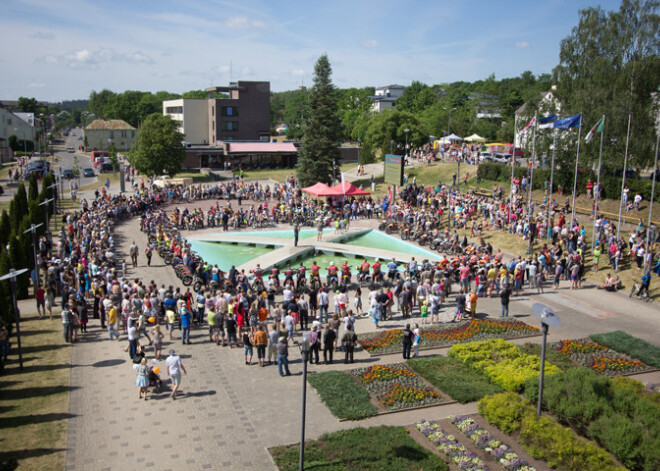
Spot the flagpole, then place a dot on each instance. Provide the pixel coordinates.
(552, 174)
(531, 172)
(655, 175)
(623, 181)
(513, 166)
(597, 192)
(577, 159)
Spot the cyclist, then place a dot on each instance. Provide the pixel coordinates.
(345, 271)
(301, 275)
(332, 272)
(288, 274)
(646, 283)
(314, 271)
(376, 270)
(364, 270)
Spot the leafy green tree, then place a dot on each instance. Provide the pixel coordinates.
(33, 188)
(21, 199)
(98, 102)
(28, 105)
(609, 65)
(5, 228)
(416, 98)
(386, 131)
(296, 113)
(355, 110)
(322, 131)
(158, 147)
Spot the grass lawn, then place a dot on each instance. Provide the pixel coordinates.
(100, 181)
(359, 449)
(34, 406)
(453, 377)
(197, 177)
(625, 343)
(344, 397)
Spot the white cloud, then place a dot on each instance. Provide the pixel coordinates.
(297, 72)
(369, 43)
(84, 58)
(241, 22)
(43, 35)
(521, 44)
(247, 71)
(36, 85)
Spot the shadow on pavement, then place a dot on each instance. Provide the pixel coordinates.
(104, 363)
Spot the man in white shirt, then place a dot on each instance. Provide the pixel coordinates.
(174, 367)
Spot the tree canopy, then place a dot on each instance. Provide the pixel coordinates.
(319, 146)
(158, 147)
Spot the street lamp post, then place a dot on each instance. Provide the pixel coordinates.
(33, 228)
(304, 349)
(46, 204)
(548, 318)
(53, 186)
(12, 277)
(406, 131)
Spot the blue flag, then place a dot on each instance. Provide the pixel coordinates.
(548, 122)
(570, 122)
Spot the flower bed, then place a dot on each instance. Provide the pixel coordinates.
(487, 442)
(448, 445)
(389, 341)
(502, 362)
(586, 352)
(396, 386)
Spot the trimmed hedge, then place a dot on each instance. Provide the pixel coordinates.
(617, 414)
(542, 437)
(625, 343)
(503, 363)
(344, 397)
(611, 184)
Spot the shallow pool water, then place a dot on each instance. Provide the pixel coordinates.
(380, 240)
(225, 255)
(280, 234)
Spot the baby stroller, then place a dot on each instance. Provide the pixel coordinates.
(154, 380)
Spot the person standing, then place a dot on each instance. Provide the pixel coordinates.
(174, 368)
(67, 329)
(460, 306)
(148, 254)
(186, 318)
(296, 234)
(283, 357)
(329, 344)
(406, 343)
(142, 381)
(348, 341)
(324, 301)
(273, 339)
(504, 298)
(417, 338)
(314, 345)
(261, 341)
(133, 251)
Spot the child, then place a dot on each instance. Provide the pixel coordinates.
(425, 311)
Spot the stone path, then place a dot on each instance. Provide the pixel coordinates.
(230, 413)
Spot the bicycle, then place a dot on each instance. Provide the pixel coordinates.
(635, 291)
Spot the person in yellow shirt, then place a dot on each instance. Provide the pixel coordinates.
(112, 322)
(490, 278)
(170, 318)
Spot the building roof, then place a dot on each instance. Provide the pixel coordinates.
(109, 125)
(261, 147)
(391, 86)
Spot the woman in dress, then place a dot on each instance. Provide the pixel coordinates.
(157, 336)
(142, 381)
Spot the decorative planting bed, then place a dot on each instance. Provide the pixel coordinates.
(587, 353)
(389, 341)
(450, 447)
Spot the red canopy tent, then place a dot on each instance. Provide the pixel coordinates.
(319, 189)
(348, 189)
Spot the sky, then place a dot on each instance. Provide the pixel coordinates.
(56, 50)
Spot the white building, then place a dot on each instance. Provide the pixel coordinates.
(192, 115)
(386, 97)
(12, 124)
(101, 133)
(548, 105)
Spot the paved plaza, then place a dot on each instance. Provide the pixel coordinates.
(230, 414)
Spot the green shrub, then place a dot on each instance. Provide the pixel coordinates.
(551, 355)
(480, 355)
(635, 347)
(453, 377)
(542, 437)
(512, 374)
(506, 411)
(344, 397)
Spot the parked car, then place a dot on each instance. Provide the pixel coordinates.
(88, 172)
(106, 167)
(70, 150)
(501, 158)
(486, 157)
(68, 173)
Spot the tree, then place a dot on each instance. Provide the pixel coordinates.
(6, 310)
(609, 65)
(98, 102)
(386, 131)
(319, 150)
(158, 147)
(33, 188)
(355, 111)
(18, 260)
(28, 105)
(5, 228)
(416, 98)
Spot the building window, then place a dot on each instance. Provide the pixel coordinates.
(230, 125)
(213, 111)
(112, 134)
(123, 134)
(228, 138)
(230, 111)
(174, 109)
(132, 133)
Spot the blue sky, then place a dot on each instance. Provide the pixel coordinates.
(56, 50)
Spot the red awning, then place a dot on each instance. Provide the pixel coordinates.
(348, 189)
(319, 189)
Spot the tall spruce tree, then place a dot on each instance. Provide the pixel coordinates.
(17, 260)
(320, 142)
(6, 312)
(33, 188)
(5, 229)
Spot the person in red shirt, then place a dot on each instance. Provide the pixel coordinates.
(314, 271)
(345, 270)
(332, 272)
(364, 269)
(40, 296)
(376, 270)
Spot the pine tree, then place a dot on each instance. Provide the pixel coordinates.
(33, 188)
(6, 312)
(15, 215)
(17, 260)
(21, 199)
(320, 143)
(5, 228)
